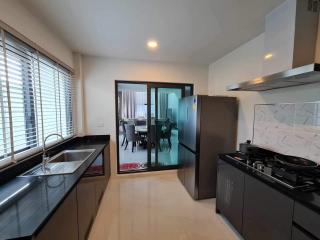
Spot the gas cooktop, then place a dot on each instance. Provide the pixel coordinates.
(290, 171)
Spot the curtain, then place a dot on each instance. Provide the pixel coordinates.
(141, 105)
(133, 104)
(128, 104)
(163, 105)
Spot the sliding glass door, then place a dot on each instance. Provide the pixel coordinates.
(147, 125)
(163, 126)
(132, 127)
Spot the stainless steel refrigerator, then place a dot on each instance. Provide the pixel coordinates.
(207, 126)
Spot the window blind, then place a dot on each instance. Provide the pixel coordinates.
(35, 99)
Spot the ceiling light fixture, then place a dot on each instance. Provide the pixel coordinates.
(268, 56)
(152, 44)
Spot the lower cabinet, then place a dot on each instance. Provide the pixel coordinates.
(230, 188)
(64, 223)
(86, 206)
(107, 163)
(74, 217)
(297, 234)
(267, 213)
(89, 193)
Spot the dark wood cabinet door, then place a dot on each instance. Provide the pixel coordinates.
(100, 186)
(86, 195)
(307, 219)
(107, 165)
(267, 213)
(297, 234)
(63, 224)
(229, 196)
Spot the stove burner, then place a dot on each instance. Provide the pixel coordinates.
(292, 172)
(297, 163)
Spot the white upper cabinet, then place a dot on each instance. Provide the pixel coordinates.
(290, 36)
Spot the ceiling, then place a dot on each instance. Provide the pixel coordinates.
(188, 31)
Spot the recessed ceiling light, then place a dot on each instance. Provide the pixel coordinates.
(152, 44)
(268, 56)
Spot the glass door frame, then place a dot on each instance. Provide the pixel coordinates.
(158, 86)
(150, 85)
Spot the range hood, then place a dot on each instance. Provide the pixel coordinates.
(292, 48)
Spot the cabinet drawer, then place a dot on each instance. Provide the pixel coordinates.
(307, 219)
(297, 234)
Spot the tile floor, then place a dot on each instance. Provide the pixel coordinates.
(155, 206)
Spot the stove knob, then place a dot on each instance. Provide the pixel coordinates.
(260, 167)
(257, 164)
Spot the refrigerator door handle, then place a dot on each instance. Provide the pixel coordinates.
(187, 113)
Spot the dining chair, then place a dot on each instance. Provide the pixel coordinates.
(123, 132)
(132, 136)
(166, 133)
(155, 137)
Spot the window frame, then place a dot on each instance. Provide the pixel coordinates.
(33, 140)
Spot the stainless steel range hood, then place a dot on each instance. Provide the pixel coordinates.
(291, 37)
(294, 77)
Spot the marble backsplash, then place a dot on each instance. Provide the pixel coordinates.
(289, 128)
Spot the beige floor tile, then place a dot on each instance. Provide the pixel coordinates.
(156, 207)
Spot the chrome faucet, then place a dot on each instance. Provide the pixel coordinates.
(45, 158)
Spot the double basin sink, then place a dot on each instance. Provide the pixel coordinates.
(65, 162)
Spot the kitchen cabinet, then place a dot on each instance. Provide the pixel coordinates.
(86, 206)
(107, 164)
(63, 224)
(89, 193)
(307, 219)
(100, 186)
(297, 234)
(230, 189)
(74, 217)
(267, 213)
(90, 190)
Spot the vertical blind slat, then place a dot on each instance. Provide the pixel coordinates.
(35, 98)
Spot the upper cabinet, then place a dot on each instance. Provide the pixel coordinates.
(279, 39)
(291, 52)
(290, 36)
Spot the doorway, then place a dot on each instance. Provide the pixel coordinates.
(147, 125)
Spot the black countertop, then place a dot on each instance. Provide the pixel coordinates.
(308, 199)
(35, 199)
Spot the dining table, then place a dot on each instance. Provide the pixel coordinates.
(141, 129)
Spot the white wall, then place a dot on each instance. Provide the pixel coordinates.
(99, 88)
(19, 18)
(245, 63)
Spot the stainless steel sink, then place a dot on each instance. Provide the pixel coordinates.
(65, 162)
(71, 155)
